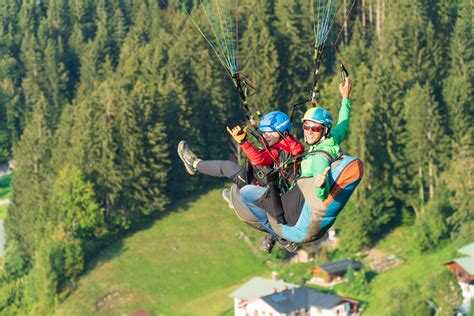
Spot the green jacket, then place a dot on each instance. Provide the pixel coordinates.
(316, 164)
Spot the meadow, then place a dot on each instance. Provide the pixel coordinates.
(186, 263)
(189, 261)
(5, 192)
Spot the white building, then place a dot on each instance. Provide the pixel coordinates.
(272, 298)
(463, 268)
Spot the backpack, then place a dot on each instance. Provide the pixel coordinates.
(345, 175)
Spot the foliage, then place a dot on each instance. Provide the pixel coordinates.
(445, 293)
(408, 300)
(204, 268)
(95, 96)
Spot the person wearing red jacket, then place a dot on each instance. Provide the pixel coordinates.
(275, 128)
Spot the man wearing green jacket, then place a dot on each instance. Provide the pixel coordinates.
(303, 204)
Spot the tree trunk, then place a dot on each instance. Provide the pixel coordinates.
(363, 16)
(378, 18)
(420, 188)
(371, 20)
(431, 180)
(382, 18)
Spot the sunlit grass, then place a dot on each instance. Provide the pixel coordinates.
(5, 189)
(5, 192)
(185, 264)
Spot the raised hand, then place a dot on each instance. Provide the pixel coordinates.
(345, 87)
(238, 133)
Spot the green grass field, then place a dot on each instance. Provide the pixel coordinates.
(5, 192)
(188, 262)
(416, 268)
(184, 264)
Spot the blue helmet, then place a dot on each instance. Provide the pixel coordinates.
(275, 121)
(319, 115)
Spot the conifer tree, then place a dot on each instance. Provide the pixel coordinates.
(94, 137)
(12, 118)
(424, 126)
(26, 215)
(41, 293)
(72, 204)
(143, 153)
(458, 87)
(295, 49)
(260, 60)
(459, 184)
(56, 80)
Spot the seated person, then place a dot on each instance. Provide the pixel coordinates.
(306, 197)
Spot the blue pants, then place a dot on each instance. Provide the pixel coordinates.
(249, 194)
(297, 233)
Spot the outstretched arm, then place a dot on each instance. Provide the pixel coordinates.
(340, 131)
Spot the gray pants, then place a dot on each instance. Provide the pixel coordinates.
(219, 168)
(224, 169)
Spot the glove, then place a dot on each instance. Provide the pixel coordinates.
(239, 134)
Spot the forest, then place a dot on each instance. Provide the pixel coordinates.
(96, 95)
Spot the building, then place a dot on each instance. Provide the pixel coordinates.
(255, 288)
(463, 268)
(300, 300)
(332, 273)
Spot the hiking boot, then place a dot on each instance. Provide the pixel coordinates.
(226, 196)
(267, 243)
(188, 157)
(288, 245)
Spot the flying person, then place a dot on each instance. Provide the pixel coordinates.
(281, 145)
(306, 212)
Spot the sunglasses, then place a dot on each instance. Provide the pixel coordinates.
(313, 128)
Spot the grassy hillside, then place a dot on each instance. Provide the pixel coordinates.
(418, 268)
(188, 263)
(5, 192)
(184, 264)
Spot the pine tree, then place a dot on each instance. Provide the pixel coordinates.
(143, 153)
(42, 290)
(412, 50)
(56, 80)
(93, 135)
(294, 50)
(32, 63)
(26, 215)
(425, 143)
(72, 204)
(458, 87)
(260, 62)
(12, 115)
(458, 181)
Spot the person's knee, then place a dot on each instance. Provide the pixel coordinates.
(245, 194)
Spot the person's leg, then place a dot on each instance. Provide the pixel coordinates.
(251, 193)
(218, 168)
(268, 242)
(213, 168)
